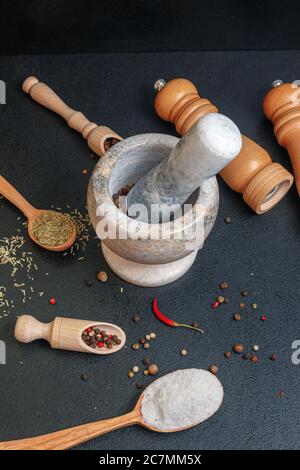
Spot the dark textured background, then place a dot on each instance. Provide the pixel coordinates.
(73, 26)
(41, 390)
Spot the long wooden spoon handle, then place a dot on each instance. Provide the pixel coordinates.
(44, 95)
(71, 437)
(10, 193)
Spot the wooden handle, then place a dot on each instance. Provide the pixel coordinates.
(10, 193)
(29, 329)
(99, 137)
(71, 437)
(44, 95)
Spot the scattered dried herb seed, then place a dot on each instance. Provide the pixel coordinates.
(254, 359)
(244, 293)
(183, 352)
(84, 377)
(237, 317)
(273, 357)
(246, 356)
(227, 354)
(146, 361)
(227, 220)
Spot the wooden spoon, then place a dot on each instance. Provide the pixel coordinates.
(67, 438)
(10, 193)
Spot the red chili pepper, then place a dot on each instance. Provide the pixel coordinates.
(168, 321)
(100, 344)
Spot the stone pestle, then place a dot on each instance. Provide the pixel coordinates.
(202, 153)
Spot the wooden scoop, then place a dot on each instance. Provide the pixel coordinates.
(65, 333)
(10, 193)
(99, 138)
(71, 437)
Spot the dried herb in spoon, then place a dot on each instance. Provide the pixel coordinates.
(52, 228)
(168, 321)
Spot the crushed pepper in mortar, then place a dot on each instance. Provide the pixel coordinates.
(52, 228)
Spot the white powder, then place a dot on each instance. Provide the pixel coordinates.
(181, 399)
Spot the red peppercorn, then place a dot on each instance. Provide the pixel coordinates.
(52, 301)
(215, 304)
(88, 330)
(100, 344)
(263, 318)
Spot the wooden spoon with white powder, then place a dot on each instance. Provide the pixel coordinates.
(174, 402)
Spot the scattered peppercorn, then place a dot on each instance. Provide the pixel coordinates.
(237, 317)
(224, 285)
(84, 377)
(102, 276)
(130, 374)
(135, 369)
(84, 171)
(136, 318)
(146, 346)
(220, 299)
(273, 357)
(146, 372)
(281, 393)
(213, 369)
(242, 305)
(238, 348)
(244, 293)
(254, 306)
(142, 341)
(152, 335)
(195, 324)
(215, 304)
(263, 318)
(146, 361)
(246, 356)
(183, 352)
(135, 346)
(139, 386)
(227, 354)
(227, 220)
(52, 301)
(147, 337)
(153, 369)
(255, 347)
(88, 283)
(254, 359)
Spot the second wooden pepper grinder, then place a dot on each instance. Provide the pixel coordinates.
(282, 106)
(252, 173)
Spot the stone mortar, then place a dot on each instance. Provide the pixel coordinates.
(133, 254)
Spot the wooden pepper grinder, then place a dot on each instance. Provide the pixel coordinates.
(99, 138)
(282, 106)
(252, 173)
(66, 333)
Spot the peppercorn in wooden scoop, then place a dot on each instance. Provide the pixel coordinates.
(49, 229)
(175, 402)
(72, 334)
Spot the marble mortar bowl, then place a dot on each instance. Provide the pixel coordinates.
(132, 254)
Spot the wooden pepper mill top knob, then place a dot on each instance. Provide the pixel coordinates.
(252, 173)
(282, 106)
(178, 101)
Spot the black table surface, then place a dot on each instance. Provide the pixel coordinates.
(41, 389)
